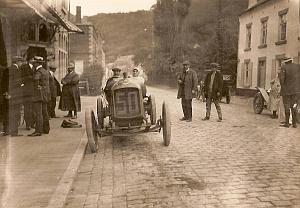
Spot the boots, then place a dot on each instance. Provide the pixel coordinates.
(274, 115)
(294, 118)
(287, 119)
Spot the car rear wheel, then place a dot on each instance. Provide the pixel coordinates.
(91, 130)
(100, 112)
(152, 110)
(258, 103)
(166, 124)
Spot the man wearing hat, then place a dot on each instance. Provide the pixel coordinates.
(55, 91)
(187, 83)
(70, 97)
(111, 81)
(27, 76)
(41, 97)
(213, 89)
(290, 89)
(12, 90)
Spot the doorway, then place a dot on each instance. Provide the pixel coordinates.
(261, 73)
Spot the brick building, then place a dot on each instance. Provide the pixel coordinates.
(269, 31)
(35, 27)
(86, 51)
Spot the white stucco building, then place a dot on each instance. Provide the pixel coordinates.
(269, 31)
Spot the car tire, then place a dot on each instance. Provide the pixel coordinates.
(258, 103)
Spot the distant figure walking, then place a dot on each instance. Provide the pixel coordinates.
(212, 90)
(70, 97)
(187, 87)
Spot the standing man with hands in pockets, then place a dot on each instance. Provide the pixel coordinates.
(187, 82)
(212, 89)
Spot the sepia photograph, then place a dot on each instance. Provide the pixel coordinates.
(149, 103)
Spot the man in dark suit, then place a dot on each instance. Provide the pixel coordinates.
(12, 90)
(187, 82)
(55, 91)
(212, 89)
(289, 78)
(41, 97)
(111, 81)
(27, 76)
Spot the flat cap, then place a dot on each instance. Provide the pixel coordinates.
(38, 59)
(17, 58)
(186, 63)
(215, 65)
(116, 69)
(71, 66)
(136, 69)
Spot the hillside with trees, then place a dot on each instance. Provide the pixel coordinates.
(174, 31)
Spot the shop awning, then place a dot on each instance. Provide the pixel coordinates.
(68, 25)
(50, 14)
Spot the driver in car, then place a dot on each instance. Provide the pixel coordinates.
(111, 81)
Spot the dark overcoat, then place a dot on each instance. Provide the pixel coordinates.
(28, 81)
(55, 90)
(216, 87)
(70, 97)
(15, 83)
(41, 91)
(290, 79)
(190, 82)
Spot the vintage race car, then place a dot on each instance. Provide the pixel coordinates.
(129, 111)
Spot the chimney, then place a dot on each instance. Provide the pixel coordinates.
(78, 14)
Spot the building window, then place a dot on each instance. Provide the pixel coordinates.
(261, 72)
(248, 36)
(264, 32)
(282, 27)
(43, 33)
(247, 73)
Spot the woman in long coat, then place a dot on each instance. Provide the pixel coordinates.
(70, 98)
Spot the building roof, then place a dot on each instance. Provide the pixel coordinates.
(50, 14)
(255, 6)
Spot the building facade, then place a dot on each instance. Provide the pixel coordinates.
(269, 32)
(87, 48)
(86, 51)
(34, 27)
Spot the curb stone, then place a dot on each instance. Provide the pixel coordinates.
(59, 196)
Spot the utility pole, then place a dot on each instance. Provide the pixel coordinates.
(220, 40)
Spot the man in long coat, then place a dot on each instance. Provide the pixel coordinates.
(13, 92)
(187, 83)
(54, 91)
(41, 97)
(70, 97)
(27, 76)
(290, 90)
(213, 90)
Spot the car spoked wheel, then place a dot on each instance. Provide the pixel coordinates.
(258, 103)
(91, 129)
(152, 110)
(166, 124)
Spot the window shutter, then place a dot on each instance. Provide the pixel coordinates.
(250, 74)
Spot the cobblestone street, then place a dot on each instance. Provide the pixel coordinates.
(245, 161)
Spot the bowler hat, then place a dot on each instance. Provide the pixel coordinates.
(38, 59)
(71, 66)
(17, 58)
(116, 69)
(287, 60)
(186, 63)
(215, 65)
